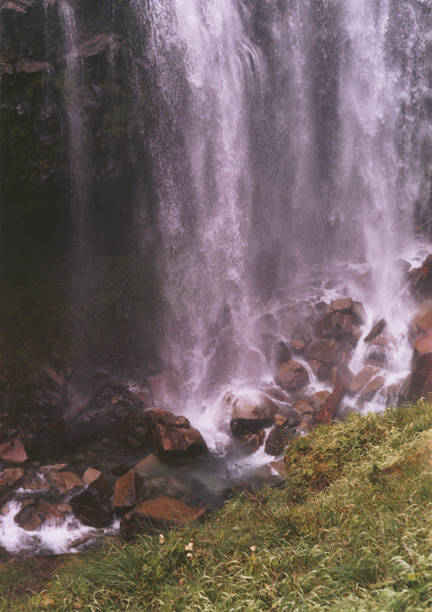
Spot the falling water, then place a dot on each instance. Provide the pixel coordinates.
(78, 182)
(292, 147)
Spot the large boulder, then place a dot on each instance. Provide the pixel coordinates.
(93, 506)
(362, 379)
(326, 350)
(420, 381)
(331, 405)
(249, 405)
(126, 492)
(36, 513)
(13, 452)
(173, 437)
(115, 413)
(157, 514)
(292, 376)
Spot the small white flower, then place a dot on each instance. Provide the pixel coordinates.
(253, 548)
(189, 546)
(189, 555)
(161, 538)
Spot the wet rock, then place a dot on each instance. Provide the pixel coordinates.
(420, 279)
(282, 353)
(376, 356)
(292, 376)
(249, 405)
(359, 313)
(10, 479)
(90, 475)
(158, 513)
(298, 345)
(64, 481)
(151, 467)
(326, 350)
(341, 304)
(332, 403)
(173, 437)
(338, 325)
(100, 43)
(376, 330)
(115, 413)
(372, 388)
(249, 433)
(319, 399)
(420, 381)
(362, 379)
(266, 324)
(422, 322)
(13, 452)
(57, 467)
(280, 467)
(93, 506)
(277, 441)
(126, 492)
(35, 514)
(423, 344)
(281, 420)
(320, 369)
(304, 407)
(166, 486)
(278, 394)
(29, 67)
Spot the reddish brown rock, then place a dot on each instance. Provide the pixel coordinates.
(10, 478)
(423, 344)
(33, 515)
(372, 387)
(173, 437)
(327, 350)
(319, 399)
(376, 330)
(64, 481)
(158, 513)
(341, 304)
(320, 369)
(337, 325)
(276, 442)
(422, 321)
(298, 345)
(362, 379)
(90, 475)
(420, 382)
(125, 492)
(304, 407)
(281, 420)
(13, 452)
(332, 403)
(292, 376)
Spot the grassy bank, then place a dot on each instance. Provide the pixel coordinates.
(350, 530)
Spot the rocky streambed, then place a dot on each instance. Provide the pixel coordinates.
(121, 461)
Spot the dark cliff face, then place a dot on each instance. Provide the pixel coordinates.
(118, 292)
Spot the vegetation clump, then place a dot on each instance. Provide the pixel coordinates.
(350, 530)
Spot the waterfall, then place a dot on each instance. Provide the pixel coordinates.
(79, 186)
(290, 146)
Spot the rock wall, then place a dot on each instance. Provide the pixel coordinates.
(37, 233)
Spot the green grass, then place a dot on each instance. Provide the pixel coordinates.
(350, 531)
